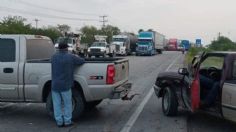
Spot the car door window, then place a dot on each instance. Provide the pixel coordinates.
(215, 61)
(7, 50)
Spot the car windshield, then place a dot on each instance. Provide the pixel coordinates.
(98, 44)
(144, 41)
(118, 39)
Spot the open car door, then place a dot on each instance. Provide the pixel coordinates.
(195, 92)
(195, 84)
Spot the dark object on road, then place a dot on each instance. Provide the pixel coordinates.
(208, 84)
(129, 98)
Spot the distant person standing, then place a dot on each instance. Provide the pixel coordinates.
(63, 65)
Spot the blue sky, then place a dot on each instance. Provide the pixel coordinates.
(183, 19)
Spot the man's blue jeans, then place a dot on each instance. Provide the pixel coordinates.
(213, 89)
(62, 105)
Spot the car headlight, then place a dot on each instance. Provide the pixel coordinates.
(102, 50)
(88, 50)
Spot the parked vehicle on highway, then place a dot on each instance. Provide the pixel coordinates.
(101, 48)
(74, 44)
(185, 89)
(25, 74)
(186, 44)
(150, 42)
(173, 44)
(124, 43)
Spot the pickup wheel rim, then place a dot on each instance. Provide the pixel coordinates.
(166, 100)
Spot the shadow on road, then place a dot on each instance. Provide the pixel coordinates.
(202, 122)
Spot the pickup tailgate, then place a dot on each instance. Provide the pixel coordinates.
(122, 70)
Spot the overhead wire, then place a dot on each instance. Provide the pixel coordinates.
(44, 15)
(57, 10)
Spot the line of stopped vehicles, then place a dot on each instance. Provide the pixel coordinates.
(145, 43)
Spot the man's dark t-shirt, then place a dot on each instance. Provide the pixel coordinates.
(63, 65)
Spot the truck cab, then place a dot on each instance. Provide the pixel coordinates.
(122, 44)
(145, 45)
(101, 48)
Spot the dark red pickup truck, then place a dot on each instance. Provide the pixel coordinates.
(184, 88)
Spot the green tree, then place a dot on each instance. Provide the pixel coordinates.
(14, 25)
(109, 31)
(222, 44)
(63, 28)
(17, 25)
(88, 33)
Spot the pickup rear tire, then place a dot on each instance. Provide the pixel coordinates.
(92, 104)
(169, 102)
(78, 105)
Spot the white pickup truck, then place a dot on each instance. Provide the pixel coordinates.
(25, 74)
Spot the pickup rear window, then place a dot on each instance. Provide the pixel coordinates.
(38, 49)
(7, 50)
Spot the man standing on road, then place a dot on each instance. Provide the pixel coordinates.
(63, 64)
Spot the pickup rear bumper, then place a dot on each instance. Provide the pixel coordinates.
(121, 91)
(96, 53)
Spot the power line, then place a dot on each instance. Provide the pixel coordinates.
(57, 10)
(104, 20)
(44, 15)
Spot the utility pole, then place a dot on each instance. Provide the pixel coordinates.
(36, 22)
(104, 20)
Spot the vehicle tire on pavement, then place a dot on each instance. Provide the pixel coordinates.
(169, 102)
(92, 104)
(78, 105)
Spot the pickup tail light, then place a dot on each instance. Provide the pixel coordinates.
(111, 74)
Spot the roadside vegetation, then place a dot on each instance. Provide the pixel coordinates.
(19, 25)
(221, 44)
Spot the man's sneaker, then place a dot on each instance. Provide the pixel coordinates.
(69, 125)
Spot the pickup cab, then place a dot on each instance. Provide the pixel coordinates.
(25, 75)
(184, 88)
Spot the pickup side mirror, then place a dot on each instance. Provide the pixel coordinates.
(183, 71)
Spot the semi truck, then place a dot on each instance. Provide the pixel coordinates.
(150, 42)
(186, 44)
(173, 44)
(125, 44)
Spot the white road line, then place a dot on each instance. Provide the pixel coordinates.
(28, 104)
(7, 105)
(139, 109)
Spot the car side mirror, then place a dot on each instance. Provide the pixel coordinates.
(183, 71)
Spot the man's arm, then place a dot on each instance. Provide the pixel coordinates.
(77, 60)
